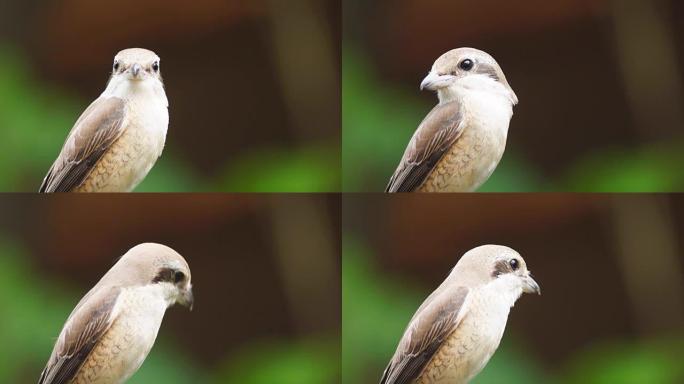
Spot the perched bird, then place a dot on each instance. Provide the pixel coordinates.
(120, 136)
(458, 327)
(460, 142)
(112, 329)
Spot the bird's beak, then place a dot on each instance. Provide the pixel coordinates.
(530, 286)
(434, 81)
(135, 69)
(188, 299)
(513, 98)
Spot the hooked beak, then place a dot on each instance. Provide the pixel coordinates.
(434, 81)
(135, 69)
(188, 299)
(513, 97)
(530, 286)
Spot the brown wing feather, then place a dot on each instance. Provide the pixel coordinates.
(91, 319)
(94, 132)
(434, 321)
(436, 134)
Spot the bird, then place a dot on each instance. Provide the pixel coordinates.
(118, 138)
(460, 142)
(112, 329)
(457, 329)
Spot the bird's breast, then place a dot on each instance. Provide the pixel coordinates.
(475, 155)
(124, 347)
(150, 121)
(468, 349)
(130, 158)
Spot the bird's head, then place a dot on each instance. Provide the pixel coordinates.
(499, 265)
(467, 69)
(136, 64)
(160, 266)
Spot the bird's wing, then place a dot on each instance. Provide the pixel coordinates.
(430, 327)
(89, 321)
(435, 135)
(95, 131)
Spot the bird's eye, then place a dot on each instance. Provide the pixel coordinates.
(155, 66)
(515, 264)
(178, 277)
(466, 65)
(116, 65)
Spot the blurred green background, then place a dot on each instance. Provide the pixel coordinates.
(265, 270)
(599, 81)
(610, 268)
(253, 88)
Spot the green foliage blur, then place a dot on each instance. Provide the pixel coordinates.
(35, 308)
(34, 121)
(379, 118)
(377, 306)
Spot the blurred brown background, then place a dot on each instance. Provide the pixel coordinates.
(253, 86)
(265, 270)
(611, 270)
(600, 84)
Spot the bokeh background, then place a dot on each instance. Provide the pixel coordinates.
(610, 268)
(265, 271)
(599, 82)
(253, 87)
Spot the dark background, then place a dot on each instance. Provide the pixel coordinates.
(265, 271)
(610, 268)
(599, 81)
(253, 87)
